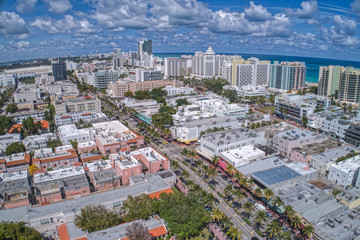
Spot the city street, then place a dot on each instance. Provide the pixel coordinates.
(174, 153)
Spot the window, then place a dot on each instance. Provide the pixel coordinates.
(117, 204)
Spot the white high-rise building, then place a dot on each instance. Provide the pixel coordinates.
(7, 80)
(208, 64)
(250, 72)
(175, 67)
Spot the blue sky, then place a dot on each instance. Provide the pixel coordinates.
(49, 28)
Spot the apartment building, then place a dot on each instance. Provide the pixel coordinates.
(117, 89)
(73, 117)
(14, 189)
(287, 75)
(79, 104)
(45, 158)
(69, 133)
(345, 173)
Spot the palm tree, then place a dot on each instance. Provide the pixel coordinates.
(258, 193)
(278, 202)
(239, 196)
(286, 236)
(260, 218)
(230, 169)
(248, 207)
(226, 223)
(198, 164)
(184, 152)
(289, 211)
(234, 233)
(228, 190)
(175, 164)
(167, 132)
(217, 215)
(205, 170)
(243, 182)
(268, 194)
(273, 229)
(211, 173)
(215, 160)
(308, 230)
(296, 222)
(185, 174)
(192, 155)
(237, 176)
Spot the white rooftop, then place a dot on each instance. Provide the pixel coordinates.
(110, 126)
(15, 157)
(58, 174)
(349, 165)
(301, 168)
(240, 156)
(71, 130)
(86, 144)
(123, 162)
(6, 176)
(149, 153)
(97, 166)
(44, 151)
(63, 148)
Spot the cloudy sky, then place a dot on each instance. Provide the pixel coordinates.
(48, 28)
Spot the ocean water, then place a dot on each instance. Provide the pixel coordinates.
(312, 64)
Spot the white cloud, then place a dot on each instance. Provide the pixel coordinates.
(25, 5)
(58, 6)
(68, 24)
(11, 23)
(355, 7)
(257, 12)
(20, 44)
(307, 10)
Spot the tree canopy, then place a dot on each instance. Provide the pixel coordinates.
(137, 231)
(160, 119)
(167, 109)
(15, 148)
(11, 108)
(5, 124)
(128, 94)
(96, 218)
(12, 230)
(182, 101)
(230, 94)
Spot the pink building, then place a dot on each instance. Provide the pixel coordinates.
(304, 153)
(151, 160)
(126, 167)
(114, 137)
(60, 184)
(284, 142)
(91, 157)
(87, 147)
(48, 159)
(103, 175)
(88, 67)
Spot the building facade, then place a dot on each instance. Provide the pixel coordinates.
(329, 80)
(103, 78)
(349, 88)
(287, 75)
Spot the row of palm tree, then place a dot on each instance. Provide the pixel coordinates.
(274, 202)
(226, 224)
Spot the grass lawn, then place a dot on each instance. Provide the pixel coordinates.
(205, 234)
(270, 109)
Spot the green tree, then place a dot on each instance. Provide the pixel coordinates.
(31, 127)
(53, 143)
(296, 222)
(260, 218)
(250, 111)
(141, 95)
(5, 124)
(138, 207)
(308, 230)
(15, 148)
(95, 218)
(230, 94)
(74, 144)
(129, 94)
(234, 233)
(304, 120)
(157, 92)
(215, 160)
(248, 207)
(217, 215)
(273, 229)
(160, 120)
(268, 194)
(12, 230)
(167, 109)
(182, 101)
(11, 108)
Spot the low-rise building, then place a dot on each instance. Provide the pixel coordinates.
(113, 137)
(103, 175)
(126, 166)
(53, 186)
(37, 141)
(7, 139)
(87, 147)
(79, 104)
(27, 93)
(248, 90)
(117, 89)
(151, 160)
(286, 141)
(352, 134)
(7, 80)
(345, 173)
(174, 91)
(304, 153)
(37, 115)
(216, 143)
(295, 107)
(189, 131)
(73, 117)
(323, 161)
(17, 162)
(243, 155)
(69, 133)
(45, 159)
(91, 157)
(350, 198)
(14, 189)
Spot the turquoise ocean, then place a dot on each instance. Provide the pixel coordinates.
(312, 64)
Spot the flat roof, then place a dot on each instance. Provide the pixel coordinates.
(149, 153)
(7, 176)
(297, 134)
(208, 121)
(261, 165)
(58, 174)
(311, 149)
(241, 154)
(332, 155)
(275, 175)
(230, 136)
